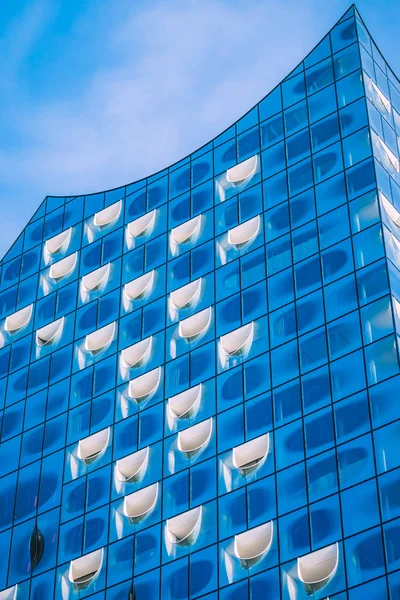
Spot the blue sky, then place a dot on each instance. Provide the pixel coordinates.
(96, 94)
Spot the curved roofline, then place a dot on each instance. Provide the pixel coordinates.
(169, 167)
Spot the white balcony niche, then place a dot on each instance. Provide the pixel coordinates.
(250, 456)
(385, 102)
(49, 333)
(94, 446)
(394, 161)
(196, 325)
(140, 504)
(243, 170)
(63, 267)
(185, 296)
(186, 404)
(101, 338)
(10, 593)
(144, 225)
(184, 529)
(18, 319)
(316, 569)
(108, 215)
(145, 386)
(193, 440)
(85, 569)
(245, 233)
(396, 304)
(390, 210)
(138, 354)
(237, 342)
(252, 545)
(96, 279)
(59, 242)
(140, 287)
(186, 232)
(132, 468)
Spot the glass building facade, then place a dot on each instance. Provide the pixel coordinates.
(199, 371)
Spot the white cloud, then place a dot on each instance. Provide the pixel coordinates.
(178, 73)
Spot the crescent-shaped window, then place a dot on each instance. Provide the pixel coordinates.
(252, 545)
(239, 341)
(317, 568)
(244, 233)
(144, 386)
(194, 326)
(390, 210)
(92, 281)
(139, 505)
(9, 593)
(143, 225)
(18, 319)
(83, 570)
(184, 529)
(92, 447)
(385, 102)
(251, 455)
(108, 215)
(186, 404)
(99, 339)
(59, 242)
(138, 354)
(36, 547)
(243, 170)
(63, 267)
(394, 161)
(186, 296)
(134, 466)
(49, 333)
(139, 287)
(192, 440)
(187, 231)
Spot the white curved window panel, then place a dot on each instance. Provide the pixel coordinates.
(139, 287)
(49, 333)
(99, 339)
(382, 98)
(134, 466)
(141, 388)
(251, 455)
(137, 354)
(186, 404)
(243, 170)
(63, 267)
(184, 529)
(83, 570)
(9, 593)
(143, 225)
(390, 210)
(108, 214)
(93, 446)
(93, 280)
(252, 545)
(244, 233)
(59, 242)
(239, 341)
(141, 503)
(317, 568)
(192, 440)
(394, 161)
(18, 319)
(194, 326)
(187, 231)
(186, 296)
(396, 306)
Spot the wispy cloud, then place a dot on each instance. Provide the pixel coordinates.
(176, 74)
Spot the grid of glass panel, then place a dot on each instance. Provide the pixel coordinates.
(199, 371)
